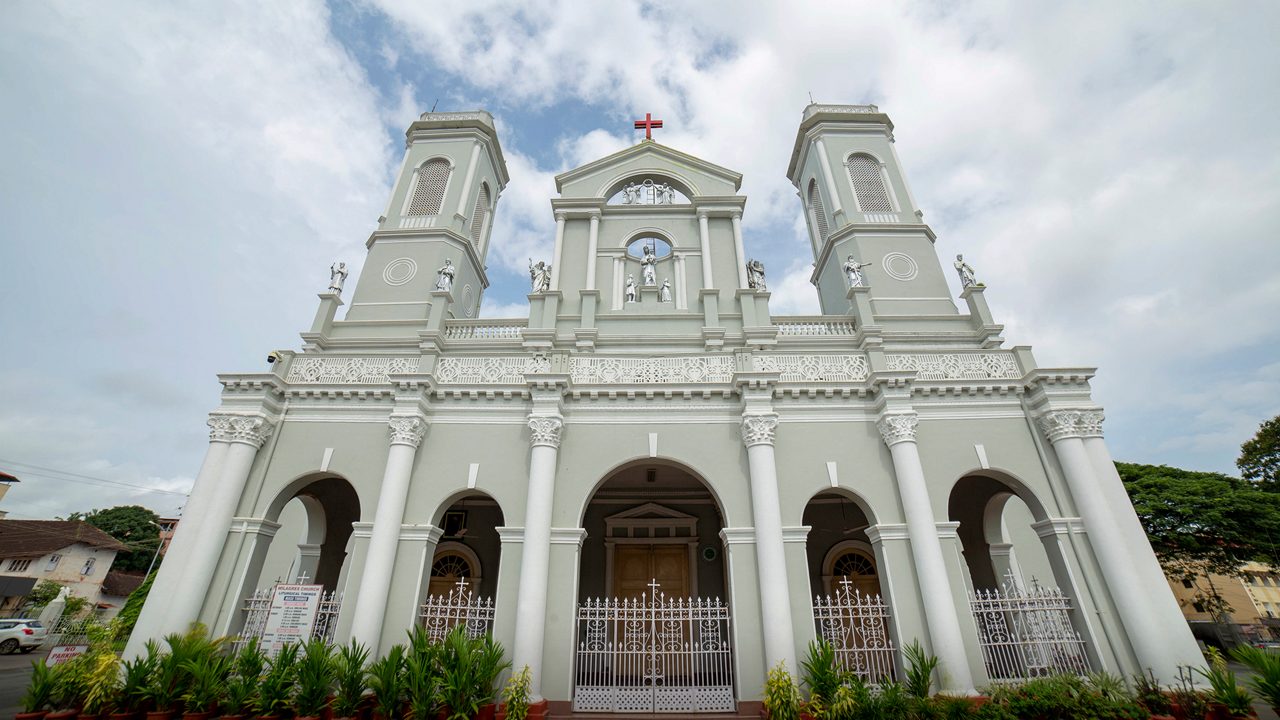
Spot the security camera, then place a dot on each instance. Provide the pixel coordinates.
(273, 356)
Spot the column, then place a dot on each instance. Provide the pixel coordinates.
(152, 620)
(247, 433)
(555, 258)
(775, 603)
(833, 193)
(531, 598)
(704, 236)
(737, 246)
(593, 241)
(375, 583)
(1154, 640)
(899, 433)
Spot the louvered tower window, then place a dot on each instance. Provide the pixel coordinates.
(478, 215)
(428, 191)
(868, 184)
(819, 212)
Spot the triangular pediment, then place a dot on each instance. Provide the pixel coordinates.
(596, 178)
(650, 511)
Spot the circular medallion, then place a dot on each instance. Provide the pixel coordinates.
(899, 266)
(466, 301)
(399, 271)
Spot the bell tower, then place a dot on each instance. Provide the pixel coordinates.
(440, 214)
(857, 204)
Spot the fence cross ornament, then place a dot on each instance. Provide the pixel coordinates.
(303, 577)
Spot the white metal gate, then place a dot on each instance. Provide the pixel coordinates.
(1027, 633)
(857, 626)
(258, 606)
(654, 654)
(441, 613)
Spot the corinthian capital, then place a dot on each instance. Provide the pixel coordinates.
(545, 430)
(1059, 424)
(407, 429)
(759, 429)
(898, 427)
(248, 428)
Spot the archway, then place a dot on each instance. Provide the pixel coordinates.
(469, 549)
(316, 517)
(1000, 546)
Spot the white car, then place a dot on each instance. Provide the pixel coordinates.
(21, 634)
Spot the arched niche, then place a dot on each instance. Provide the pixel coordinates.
(648, 188)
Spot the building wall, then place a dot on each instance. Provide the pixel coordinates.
(67, 572)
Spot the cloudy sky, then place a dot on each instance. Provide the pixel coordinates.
(178, 177)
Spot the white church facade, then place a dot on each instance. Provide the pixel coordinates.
(652, 489)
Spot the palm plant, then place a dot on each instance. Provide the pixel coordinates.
(315, 679)
(920, 667)
(386, 679)
(349, 671)
(242, 682)
(39, 693)
(135, 685)
(1223, 685)
(70, 683)
(422, 678)
(102, 682)
(208, 678)
(1266, 668)
(276, 688)
(822, 675)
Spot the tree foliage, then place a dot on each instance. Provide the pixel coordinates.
(131, 525)
(128, 616)
(1259, 459)
(45, 592)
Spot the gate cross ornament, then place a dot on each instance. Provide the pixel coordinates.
(648, 123)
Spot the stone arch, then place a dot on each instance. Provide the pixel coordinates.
(682, 184)
(687, 467)
(468, 521)
(330, 506)
(997, 515)
(838, 520)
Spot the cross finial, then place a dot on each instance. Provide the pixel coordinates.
(303, 577)
(654, 585)
(648, 123)
(845, 584)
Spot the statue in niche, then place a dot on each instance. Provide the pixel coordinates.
(337, 276)
(663, 194)
(967, 278)
(664, 292)
(539, 276)
(630, 194)
(446, 272)
(755, 275)
(631, 288)
(648, 267)
(853, 272)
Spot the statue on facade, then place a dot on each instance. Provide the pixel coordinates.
(664, 292)
(967, 278)
(630, 194)
(445, 283)
(648, 267)
(755, 275)
(663, 194)
(337, 276)
(539, 276)
(631, 288)
(853, 272)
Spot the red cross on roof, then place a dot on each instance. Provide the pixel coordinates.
(648, 123)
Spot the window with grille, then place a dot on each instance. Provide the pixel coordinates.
(868, 184)
(428, 190)
(819, 212)
(88, 566)
(478, 215)
(451, 566)
(53, 562)
(853, 565)
(19, 565)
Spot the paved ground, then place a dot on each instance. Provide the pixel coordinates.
(14, 671)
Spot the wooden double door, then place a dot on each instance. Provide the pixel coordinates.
(636, 565)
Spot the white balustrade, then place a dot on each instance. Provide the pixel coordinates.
(815, 326)
(484, 329)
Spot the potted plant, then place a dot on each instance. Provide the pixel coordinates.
(490, 663)
(242, 682)
(1266, 673)
(35, 703)
(1226, 697)
(920, 667)
(69, 685)
(349, 676)
(386, 679)
(823, 677)
(781, 696)
(314, 672)
(133, 685)
(422, 680)
(1152, 696)
(208, 677)
(515, 696)
(102, 683)
(276, 687)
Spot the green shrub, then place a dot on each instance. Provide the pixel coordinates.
(386, 679)
(314, 677)
(207, 682)
(349, 674)
(39, 695)
(920, 669)
(1223, 686)
(781, 696)
(1150, 694)
(1266, 668)
(276, 687)
(515, 696)
(245, 674)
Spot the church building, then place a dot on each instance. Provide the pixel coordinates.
(652, 489)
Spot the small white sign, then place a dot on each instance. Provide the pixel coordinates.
(291, 617)
(62, 653)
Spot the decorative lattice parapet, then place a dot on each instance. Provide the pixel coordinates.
(814, 368)
(957, 366)
(490, 370)
(688, 369)
(351, 370)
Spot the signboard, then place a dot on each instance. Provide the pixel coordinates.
(62, 653)
(291, 617)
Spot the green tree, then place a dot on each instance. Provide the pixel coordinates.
(43, 593)
(1259, 459)
(128, 616)
(1203, 523)
(132, 525)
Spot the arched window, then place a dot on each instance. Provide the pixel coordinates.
(428, 187)
(868, 184)
(480, 214)
(819, 212)
(853, 564)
